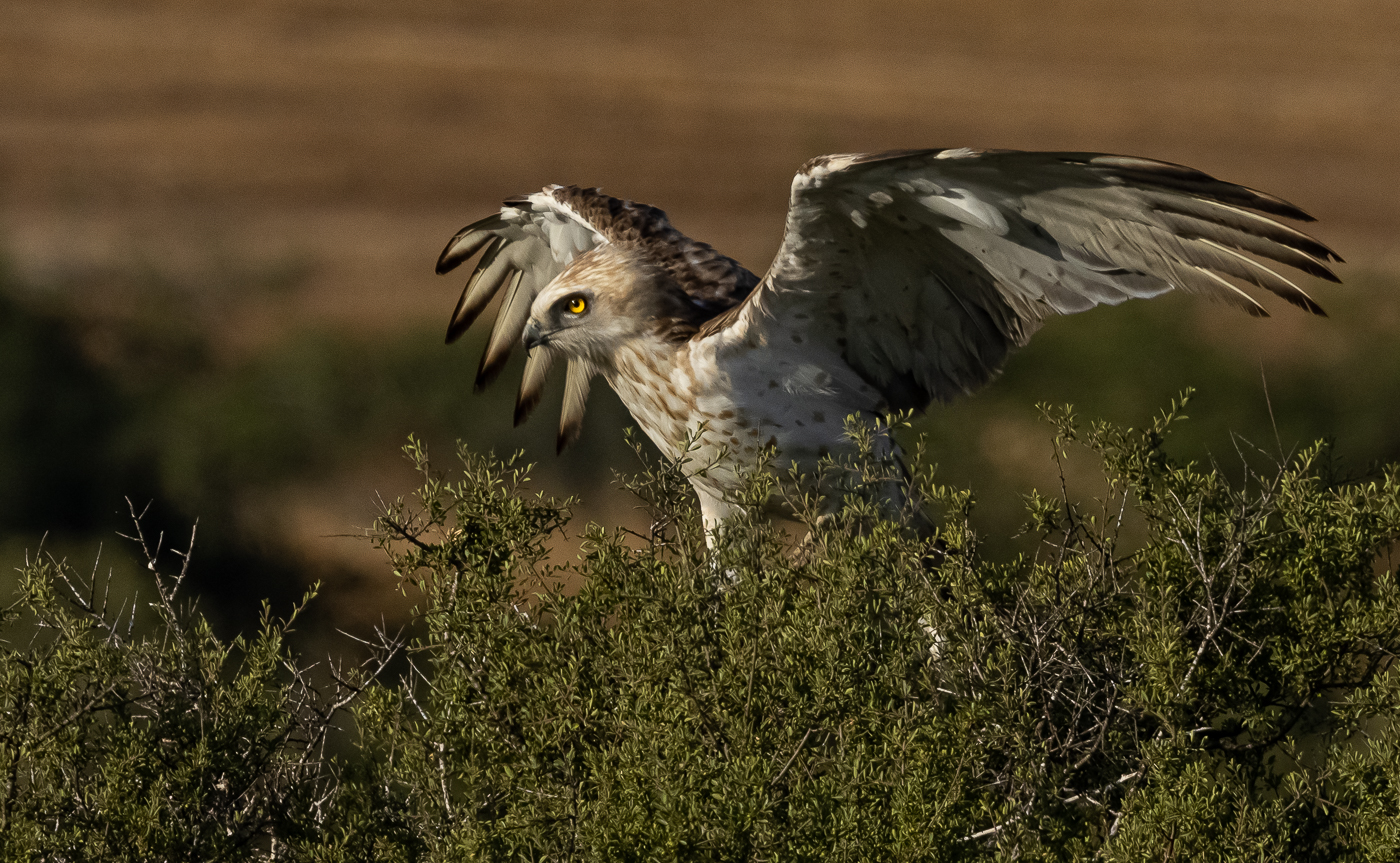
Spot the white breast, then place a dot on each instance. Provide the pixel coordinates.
(737, 398)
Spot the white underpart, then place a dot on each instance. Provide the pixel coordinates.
(736, 397)
(808, 380)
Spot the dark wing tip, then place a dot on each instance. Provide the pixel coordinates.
(466, 312)
(1304, 302)
(445, 263)
(1274, 205)
(491, 370)
(467, 242)
(1169, 175)
(459, 323)
(568, 433)
(524, 406)
(1301, 300)
(1315, 268)
(476, 295)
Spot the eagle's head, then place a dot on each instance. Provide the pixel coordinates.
(605, 298)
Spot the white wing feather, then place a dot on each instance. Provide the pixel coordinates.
(923, 269)
(527, 244)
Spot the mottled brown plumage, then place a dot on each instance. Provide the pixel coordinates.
(903, 277)
(709, 280)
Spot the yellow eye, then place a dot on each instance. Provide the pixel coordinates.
(578, 305)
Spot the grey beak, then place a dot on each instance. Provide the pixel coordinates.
(533, 336)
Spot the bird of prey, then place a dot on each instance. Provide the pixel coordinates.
(903, 277)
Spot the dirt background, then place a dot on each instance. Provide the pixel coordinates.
(357, 136)
(349, 140)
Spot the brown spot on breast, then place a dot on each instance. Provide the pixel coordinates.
(799, 423)
(724, 415)
(797, 338)
(772, 441)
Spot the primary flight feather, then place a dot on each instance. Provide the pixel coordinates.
(902, 278)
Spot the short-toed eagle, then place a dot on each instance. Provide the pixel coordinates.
(902, 278)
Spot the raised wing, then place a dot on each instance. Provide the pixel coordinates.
(536, 237)
(923, 269)
(527, 244)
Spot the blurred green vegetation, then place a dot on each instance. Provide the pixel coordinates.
(119, 384)
(119, 391)
(1263, 387)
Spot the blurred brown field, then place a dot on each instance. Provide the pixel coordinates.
(346, 141)
(360, 135)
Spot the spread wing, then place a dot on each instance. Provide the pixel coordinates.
(536, 237)
(923, 269)
(523, 248)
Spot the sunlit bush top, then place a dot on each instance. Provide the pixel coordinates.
(1179, 667)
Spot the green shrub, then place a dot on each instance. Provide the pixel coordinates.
(1220, 688)
(131, 733)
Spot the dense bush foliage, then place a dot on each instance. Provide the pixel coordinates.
(141, 380)
(163, 744)
(1184, 668)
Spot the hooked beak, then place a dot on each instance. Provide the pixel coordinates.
(534, 337)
